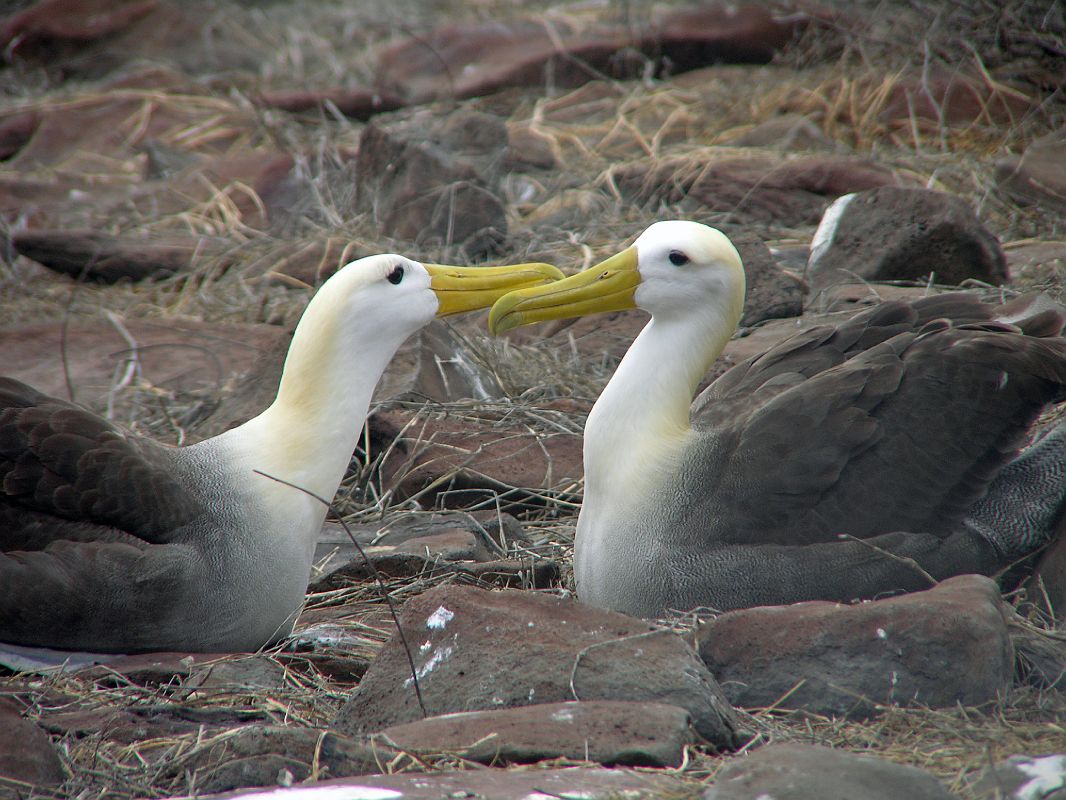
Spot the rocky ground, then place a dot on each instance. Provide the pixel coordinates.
(178, 177)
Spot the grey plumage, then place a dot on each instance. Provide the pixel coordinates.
(898, 427)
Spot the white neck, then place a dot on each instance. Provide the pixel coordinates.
(644, 410)
(307, 435)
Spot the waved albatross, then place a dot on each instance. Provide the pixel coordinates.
(110, 542)
(899, 427)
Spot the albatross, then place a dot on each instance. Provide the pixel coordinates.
(115, 543)
(846, 462)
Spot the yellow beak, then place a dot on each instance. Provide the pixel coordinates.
(608, 286)
(460, 289)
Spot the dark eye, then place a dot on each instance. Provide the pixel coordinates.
(677, 258)
(396, 275)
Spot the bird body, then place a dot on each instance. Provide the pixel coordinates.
(110, 542)
(847, 462)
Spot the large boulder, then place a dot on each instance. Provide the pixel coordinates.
(945, 646)
(478, 650)
(894, 233)
(435, 183)
(806, 772)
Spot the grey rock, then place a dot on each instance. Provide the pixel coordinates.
(892, 233)
(1022, 778)
(26, 753)
(605, 731)
(936, 648)
(477, 650)
(434, 183)
(771, 292)
(258, 755)
(806, 772)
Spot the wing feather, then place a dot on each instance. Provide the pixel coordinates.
(896, 420)
(62, 462)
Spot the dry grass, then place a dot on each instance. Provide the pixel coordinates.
(571, 216)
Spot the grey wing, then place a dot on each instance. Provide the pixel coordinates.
(903, 435)
(103, 596)
(66, 473)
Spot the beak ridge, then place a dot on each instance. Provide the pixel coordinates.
(609, 286)
(460, 289)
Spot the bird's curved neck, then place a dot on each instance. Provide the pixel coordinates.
(644, 410)
(307, 435)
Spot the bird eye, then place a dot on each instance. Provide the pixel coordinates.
(396, 275)
(677, 258)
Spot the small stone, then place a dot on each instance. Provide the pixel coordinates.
(894, 233)
(257, 755)
(771, 292)
(476, 650)
(938, 97)
(945, 646)
(356, 103)
(1039, 176)
(788, 132)
(806, 772)
(26, 753)
(1047, 585)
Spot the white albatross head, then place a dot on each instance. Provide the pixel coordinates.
(348, 333)
(675, 269)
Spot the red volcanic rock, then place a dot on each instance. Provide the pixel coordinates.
(690, 38)
(468, 60)
(606, 731)
(15, 130)
(257, 754)
(456, 463)
(1039, 176)
(181, 355)
(129, 725)
(356, 103)
(26, 754)
(936, 648)
(782, 191)
(89, 38)
(51, 21)
(80, 132)
(954, 99)
(103, 257)
(807, 772)
(435, 182)
(476, 650)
